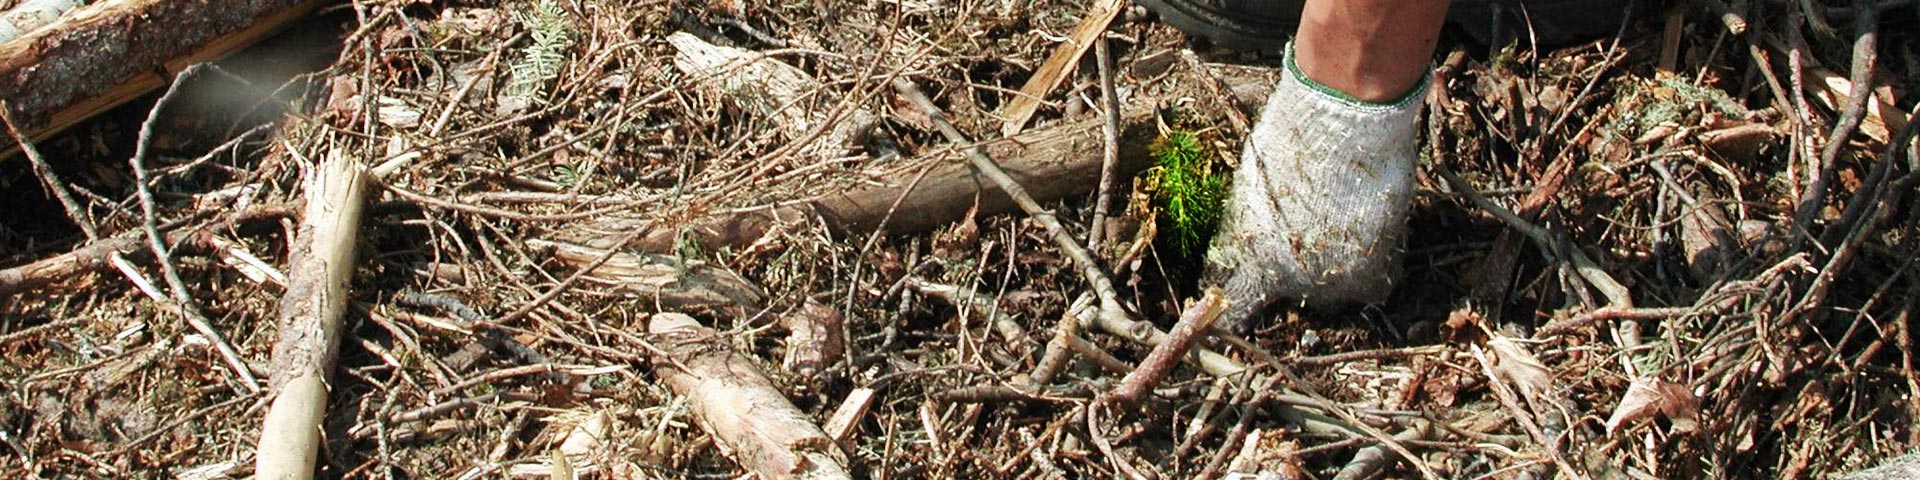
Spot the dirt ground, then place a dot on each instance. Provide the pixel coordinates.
(1686, 251)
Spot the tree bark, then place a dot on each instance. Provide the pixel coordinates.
(310, 314)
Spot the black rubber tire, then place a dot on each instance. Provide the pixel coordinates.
(1265, 25)
(1552, 22)
(1233, 23)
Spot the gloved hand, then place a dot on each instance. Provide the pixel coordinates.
(1318, 209)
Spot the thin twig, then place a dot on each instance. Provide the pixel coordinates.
(1124, 464)
(1849, 247)
(1102, 286)
(52, 181)
(1865, 55)
(1505, 394)
(1060, 349)
(1611, 313)
(29, 332)
(157, 242)
(1617, 294)
(571, 279)
(1239, 431)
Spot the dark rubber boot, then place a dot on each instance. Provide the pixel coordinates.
(1265, 25)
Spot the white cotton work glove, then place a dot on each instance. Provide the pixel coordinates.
(1318, 209)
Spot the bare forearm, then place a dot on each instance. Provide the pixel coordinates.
(1373, 50)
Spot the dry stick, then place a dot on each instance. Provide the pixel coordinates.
(735, 403)
(1315, 400)
(1796, 76)
(1110, 148)
(1058, 64)
(968, 299)
(1358, 355)
(1192, 327)
(158, 242)
(1617, 294)
(1060, 349)
(47, 177)
(1112, 317)
(1510, 400)
(1371, 460)
(1611, 313)
(1239, 431)
(1097, 355)
(130, 446)
(29, 332)
(1905, 341)
(74, 211)
(570, 280)
(311, 311)
(1125, 465)
(104, 253)
(1864, 57)
(1850, 245)
(873, 238)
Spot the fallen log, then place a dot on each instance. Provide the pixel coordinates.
(1052, 163)
(748, 417)
(105, 54)
(310, 314)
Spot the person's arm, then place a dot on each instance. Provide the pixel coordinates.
(1318, 211)
(1372, 50)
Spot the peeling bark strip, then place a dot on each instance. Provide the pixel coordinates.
(310, 313)
(815, 342)
(733, 401)
(668, 283)
(1052, 163)
(796, 100)
(110, 52)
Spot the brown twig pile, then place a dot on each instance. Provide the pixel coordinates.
(1688, 251)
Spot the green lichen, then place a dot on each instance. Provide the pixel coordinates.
(1189, 195)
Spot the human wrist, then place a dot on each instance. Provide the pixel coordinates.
(1294, 73)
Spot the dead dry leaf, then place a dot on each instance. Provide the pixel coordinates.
(1649, 396)
(1514, 363)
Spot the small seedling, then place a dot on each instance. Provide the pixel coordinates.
(1190, 197)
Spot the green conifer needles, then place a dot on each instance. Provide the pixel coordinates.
(541, 60)
(1189, 196)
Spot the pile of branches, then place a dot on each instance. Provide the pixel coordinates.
(650, 240)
